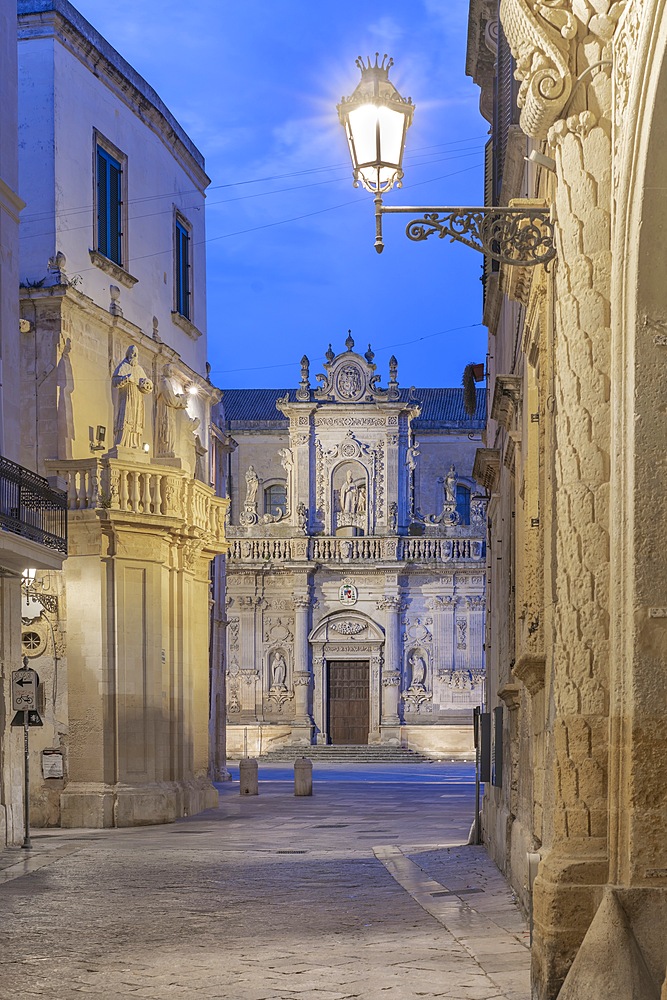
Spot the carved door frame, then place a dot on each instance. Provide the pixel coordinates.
(346, 635)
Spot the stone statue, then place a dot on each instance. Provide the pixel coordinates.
(168, 405)
(278, 673)
(361, 500)
(451, 479)
(302, 516)
(132, 383)
(411, 456)
(201, 451)
(348, 495)
(252, 485)
(418, 668)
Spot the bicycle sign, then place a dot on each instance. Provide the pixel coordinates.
(24, 690)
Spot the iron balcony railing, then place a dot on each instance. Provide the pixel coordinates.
(30, 507)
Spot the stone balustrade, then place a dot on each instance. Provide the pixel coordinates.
(333, 549)
(116, 485)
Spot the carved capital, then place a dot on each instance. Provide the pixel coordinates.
(390, 604)
(391, 680)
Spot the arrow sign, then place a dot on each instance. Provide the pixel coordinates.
(24, 689)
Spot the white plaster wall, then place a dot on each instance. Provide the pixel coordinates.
(61, 103)
(9, 215)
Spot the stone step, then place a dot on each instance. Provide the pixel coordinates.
(363, 754)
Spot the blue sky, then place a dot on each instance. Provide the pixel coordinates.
(291, 262)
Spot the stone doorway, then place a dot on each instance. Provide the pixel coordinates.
(349, 720)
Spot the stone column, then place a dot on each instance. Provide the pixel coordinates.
(391, 669)
(302, 726)
(568, 50)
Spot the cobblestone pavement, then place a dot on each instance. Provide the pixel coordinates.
(358, 892)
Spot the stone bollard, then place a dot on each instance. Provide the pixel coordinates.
(248, 783)
(303, 776)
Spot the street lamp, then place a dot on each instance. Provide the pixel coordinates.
(376, 119)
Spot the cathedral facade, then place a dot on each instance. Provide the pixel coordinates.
(356, 570)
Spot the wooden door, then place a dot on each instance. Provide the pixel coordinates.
(348, 701)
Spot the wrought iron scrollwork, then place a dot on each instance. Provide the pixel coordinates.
(517, 236)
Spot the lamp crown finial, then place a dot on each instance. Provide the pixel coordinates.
(379, 68)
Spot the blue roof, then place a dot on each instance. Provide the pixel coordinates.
(439, 407)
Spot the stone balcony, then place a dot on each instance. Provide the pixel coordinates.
(145, 491)
(334, 549)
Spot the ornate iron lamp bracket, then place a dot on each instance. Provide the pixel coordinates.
(517, 236)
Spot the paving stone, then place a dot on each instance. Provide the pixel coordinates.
(206, 908)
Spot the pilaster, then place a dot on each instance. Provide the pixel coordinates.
(302, 725)
(391, 669)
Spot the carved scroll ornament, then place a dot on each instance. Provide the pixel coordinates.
(540, 36)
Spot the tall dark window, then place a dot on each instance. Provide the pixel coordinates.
(182, 269)
(109, 206)
(463, 503)
(275, 499)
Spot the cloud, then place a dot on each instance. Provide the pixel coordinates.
(387, 31)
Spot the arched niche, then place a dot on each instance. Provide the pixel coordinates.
(349, 498)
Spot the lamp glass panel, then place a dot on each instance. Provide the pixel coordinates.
(391, 135)
(362, 123)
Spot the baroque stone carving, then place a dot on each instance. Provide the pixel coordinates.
(349, 378)
(348, 628)
(233, 633)
(390, 604)
(350, 421)
(540, 34)
(461, 633)
(278, 630)
(417, 630)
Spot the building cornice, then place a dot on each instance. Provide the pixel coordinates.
(10, 201)
(58, 19)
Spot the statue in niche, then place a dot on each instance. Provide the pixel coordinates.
(132, 383)
(361, 500)
(252, 485)
(169, 403)
(349, 498)
(451, 480)
(278, 673)
(418, 672)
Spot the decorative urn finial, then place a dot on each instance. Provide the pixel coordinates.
(349, 343)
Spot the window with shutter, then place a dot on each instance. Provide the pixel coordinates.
(182, 269)
(109, 206)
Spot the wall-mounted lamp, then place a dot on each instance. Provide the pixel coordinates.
(147, 447)
(541, 160)
(100, 436)
(376, 119)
